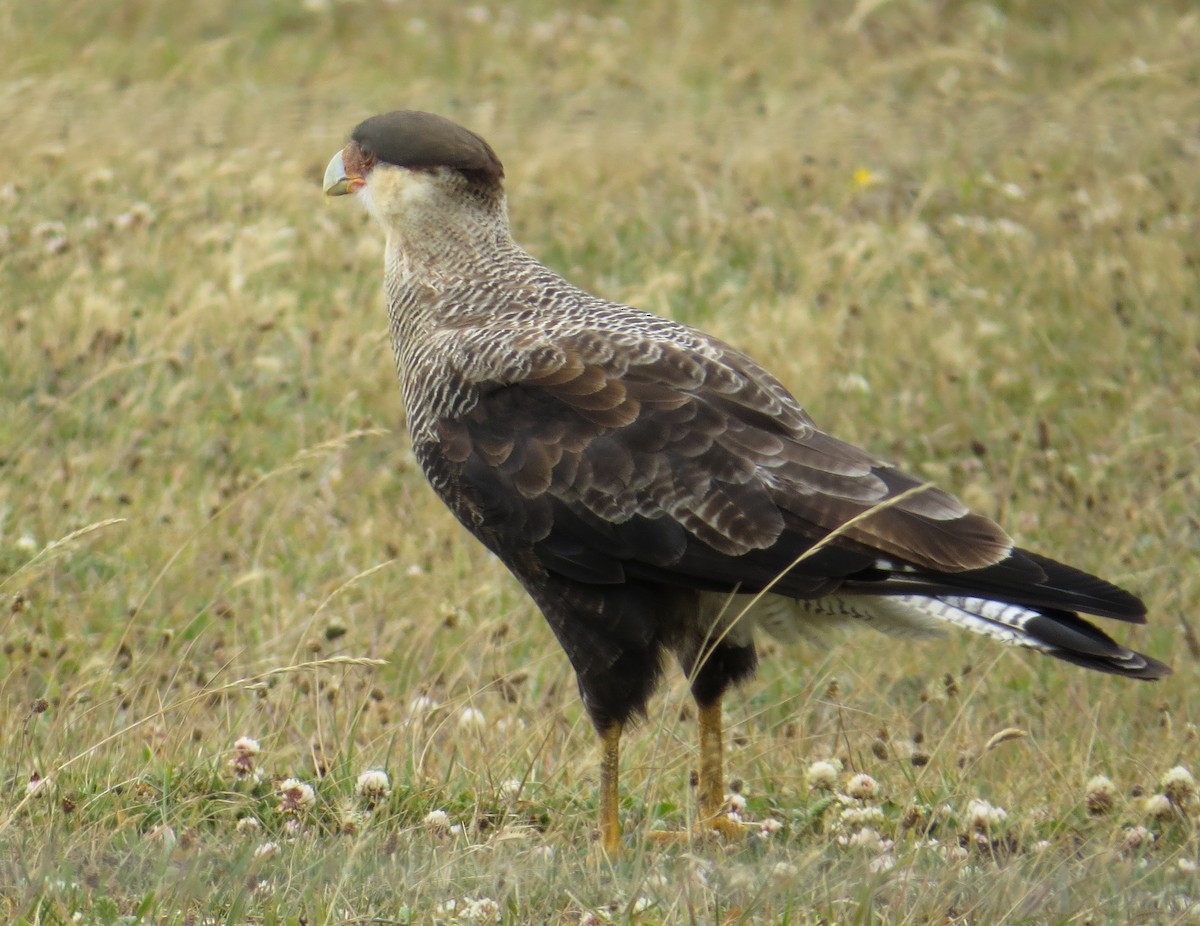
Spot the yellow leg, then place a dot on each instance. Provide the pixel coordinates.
(610, 771)
(710, 791)
(710, 795)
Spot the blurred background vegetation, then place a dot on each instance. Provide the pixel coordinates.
(964, 233)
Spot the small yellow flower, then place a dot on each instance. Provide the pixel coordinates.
(864, 178)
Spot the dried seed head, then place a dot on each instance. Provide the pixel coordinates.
(1179, 786)
(1101, 795)
(351, 820)
(914, 815)
(1137, 837)
(1158, 807)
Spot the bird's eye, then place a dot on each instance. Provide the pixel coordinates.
(368, 154)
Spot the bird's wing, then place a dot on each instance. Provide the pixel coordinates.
(614, 455)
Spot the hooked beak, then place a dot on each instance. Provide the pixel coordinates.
(337, 182)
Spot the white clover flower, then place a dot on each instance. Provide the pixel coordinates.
(483, 910)
(26, 543)
(471, 718)
(247, 746)
(823, 775)
(373, 785)
(982, 815)
(248, 825)
(422, 705)
(244, 751)
(266, 850)
(1159, 807)
(885, 861)
(861, 816)
(1136, 837)
(1179, 786)
(854, 383)
(769, 827)
(437, 821)
(868, 838)
(1187, 866)
(353, 820)
(511, 788)
(862, 787)
(736, 803)
(698, 873)
(784, 870)
(1101, 795)
(296, 796)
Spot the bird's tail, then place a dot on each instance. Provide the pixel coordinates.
(1061, 634)
(1055, 632)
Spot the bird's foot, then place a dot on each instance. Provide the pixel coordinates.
(722, 825)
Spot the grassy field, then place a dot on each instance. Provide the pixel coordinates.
(966, 235)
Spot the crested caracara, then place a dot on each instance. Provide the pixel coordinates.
(656, 491)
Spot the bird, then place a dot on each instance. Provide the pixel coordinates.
(658, 493)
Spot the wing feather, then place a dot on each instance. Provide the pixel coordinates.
(708, 442)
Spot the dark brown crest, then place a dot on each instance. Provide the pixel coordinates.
(412, 139)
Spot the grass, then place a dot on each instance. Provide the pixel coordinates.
(964, 234)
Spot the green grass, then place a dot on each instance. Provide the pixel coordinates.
(965, 235)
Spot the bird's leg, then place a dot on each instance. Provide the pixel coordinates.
(711, 815)
(610, 823)
(710, 793)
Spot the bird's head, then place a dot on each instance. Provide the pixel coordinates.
(409, 168)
